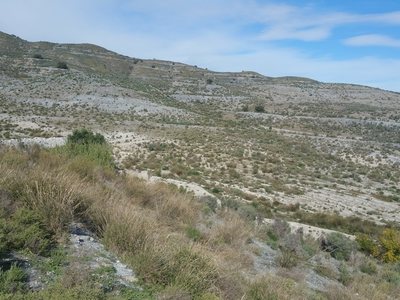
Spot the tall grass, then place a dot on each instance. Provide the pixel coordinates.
(142, 222)
(146, 225)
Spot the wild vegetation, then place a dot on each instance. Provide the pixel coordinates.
(178, 246)
(248, 182)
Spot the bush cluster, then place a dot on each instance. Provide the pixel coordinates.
(386, 247)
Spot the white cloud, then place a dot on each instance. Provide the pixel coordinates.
(373, 40)
(311, 25)
(283, 32)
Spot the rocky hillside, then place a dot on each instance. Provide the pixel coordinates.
(213, 160)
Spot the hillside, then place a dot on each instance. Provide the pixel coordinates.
(209, 159)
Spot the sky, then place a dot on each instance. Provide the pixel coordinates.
(331, 41)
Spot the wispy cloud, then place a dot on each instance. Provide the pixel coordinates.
(312, 25)
(373, 40)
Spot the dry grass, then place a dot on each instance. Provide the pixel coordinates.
(230, 230)
(272, 287)
(146, 224)
(142, 222)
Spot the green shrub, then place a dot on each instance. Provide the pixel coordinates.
(28, 231)
(386, 247)
(344, 275)
(84, 136)
(350, 225)
(25, 230)
(390, 242)
(4, 243)
(391, 276)
(183, 269)
(87, 148)
(339, 246)
(62, 65)
(271, 288)
(12, 280)
(367, 245)
(259, 108)
(368, 267)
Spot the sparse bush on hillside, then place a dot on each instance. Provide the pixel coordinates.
(84, 136)
(25, 230)
(62, 65)
(12, 280)
(386, 246)
(157, 230)
(87, 149)
(390, 242)
(338, 246)
(350, 225)
(259, 108)
(37, 56)
(272, 287)
(367, 245)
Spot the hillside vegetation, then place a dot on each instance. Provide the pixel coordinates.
(180, 247)
(191, 184)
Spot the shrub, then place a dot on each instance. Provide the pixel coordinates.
(12, 280)
(85, 137)
(62, 65)
(259, 108)
(326, 271)
(4, 242)
(368, 267)
(193, 272)
(367, 245)
(280, 228)
(275, 288)
(288, 258)
(391, 276)
(27, 231)
(90, 148)
(390, 241)
(387, 247)
(339, 246)
(344, 275)
(38, 56)
(55, 197)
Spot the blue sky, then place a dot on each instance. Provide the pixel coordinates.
(332, 41)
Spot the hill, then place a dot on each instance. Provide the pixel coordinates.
(205, 161)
